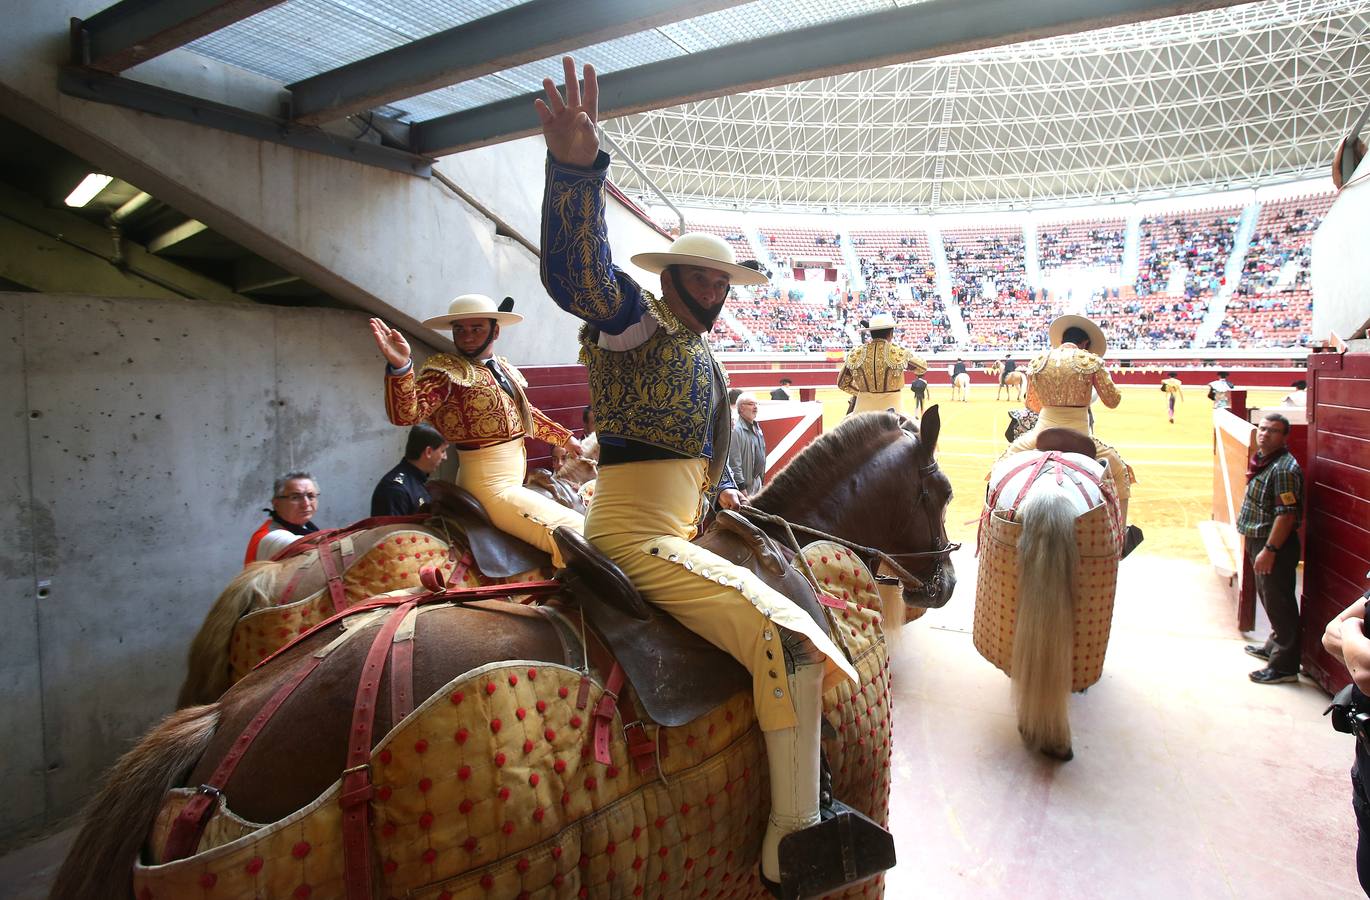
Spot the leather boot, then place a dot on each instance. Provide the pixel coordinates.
(792, 755)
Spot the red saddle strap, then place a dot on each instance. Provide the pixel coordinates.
(184, 836)
(333, 570)
(355, 796)
(481, 592)
(642, 748)
(328, 535)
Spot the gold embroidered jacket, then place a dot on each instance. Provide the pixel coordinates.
(1065, 376)
(652, 380)
(466, 405)
(877, 367)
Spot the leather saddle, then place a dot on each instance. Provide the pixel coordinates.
(678, 676)
(1064, 440)
(498, 554)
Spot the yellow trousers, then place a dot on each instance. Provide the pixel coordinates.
(643, 517)
(1076, 418)
(871, 401)
(494, 476)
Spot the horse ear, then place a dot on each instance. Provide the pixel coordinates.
(928, 430)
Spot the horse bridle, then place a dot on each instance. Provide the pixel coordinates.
(932, 587)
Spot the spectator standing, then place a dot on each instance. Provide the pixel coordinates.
(1220, 392)
(1299, 396)
(1269, 521)
(294, 500)
(780, 393)
(402, 491)
(747, 454)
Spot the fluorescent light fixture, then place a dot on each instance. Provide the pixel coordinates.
(91, 185)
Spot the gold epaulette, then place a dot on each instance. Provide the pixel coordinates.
(460, 370)
(856, 357)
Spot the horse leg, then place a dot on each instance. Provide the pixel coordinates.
(1043, 636)
(100, 862)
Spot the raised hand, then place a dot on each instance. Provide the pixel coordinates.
(392, 344)
(568, 125)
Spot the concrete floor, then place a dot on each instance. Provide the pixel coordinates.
(1188, 780)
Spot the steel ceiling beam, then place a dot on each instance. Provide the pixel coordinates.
(134, 31)
(921, 31)
(523, 34)
(101, 88)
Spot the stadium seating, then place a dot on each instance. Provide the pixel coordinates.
(1009, 315)
(786, 245)
(1092, 244)
(1272, 306)
(730, 232)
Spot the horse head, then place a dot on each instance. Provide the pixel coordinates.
(874, 481)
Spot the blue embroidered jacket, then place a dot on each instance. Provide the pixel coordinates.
(652, 380)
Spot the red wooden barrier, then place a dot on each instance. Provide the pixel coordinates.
(1337, 483)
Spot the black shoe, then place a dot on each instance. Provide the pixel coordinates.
(1131, 540)
(844, 848)
(1258, 651)
(1270, 676)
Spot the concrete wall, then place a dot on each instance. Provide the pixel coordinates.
(140, 442)
(393, 244)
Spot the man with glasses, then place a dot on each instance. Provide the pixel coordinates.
(294, 500)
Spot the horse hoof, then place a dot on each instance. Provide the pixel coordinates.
(1065, 755)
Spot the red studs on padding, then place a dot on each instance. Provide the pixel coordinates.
(300, 850)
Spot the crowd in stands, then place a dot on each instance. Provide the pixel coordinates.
(1200, 242)
(1182, 258)
(1147, 323)
(1094, 244)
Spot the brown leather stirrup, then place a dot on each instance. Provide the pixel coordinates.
(592, 570)
(844, 848)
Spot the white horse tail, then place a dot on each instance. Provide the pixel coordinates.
(1043, 638)
(207, 669)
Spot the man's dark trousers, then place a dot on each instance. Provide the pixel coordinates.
(1276, 591)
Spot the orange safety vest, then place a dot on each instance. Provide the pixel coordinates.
(256, 539)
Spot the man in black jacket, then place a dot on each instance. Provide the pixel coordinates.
(401, 491)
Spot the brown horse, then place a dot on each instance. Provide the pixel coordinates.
(869, 482)
(271, 602)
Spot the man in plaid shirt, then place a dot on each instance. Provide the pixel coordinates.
(1269, 521)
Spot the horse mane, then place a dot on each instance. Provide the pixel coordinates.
(831, 452)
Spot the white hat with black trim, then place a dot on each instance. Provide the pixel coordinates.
(473, 306)
(697, 249)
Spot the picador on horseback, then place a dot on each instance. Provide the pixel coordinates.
(1061, 383)
(659, 399)
(873, 373)
(476, 401)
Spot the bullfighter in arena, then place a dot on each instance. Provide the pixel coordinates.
(874, 371)
(476, 401)
(1061, 382)
(659, 399)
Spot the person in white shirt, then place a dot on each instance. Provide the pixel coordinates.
(1299, 396)
(1220, 392)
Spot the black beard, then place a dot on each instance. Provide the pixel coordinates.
(705, 317)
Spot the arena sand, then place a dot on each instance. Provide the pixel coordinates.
(1173, 463)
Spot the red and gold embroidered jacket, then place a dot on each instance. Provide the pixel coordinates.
(466, 405)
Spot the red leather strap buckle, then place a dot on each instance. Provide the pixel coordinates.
(604, 713)
(641, 748)
(432, 579)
